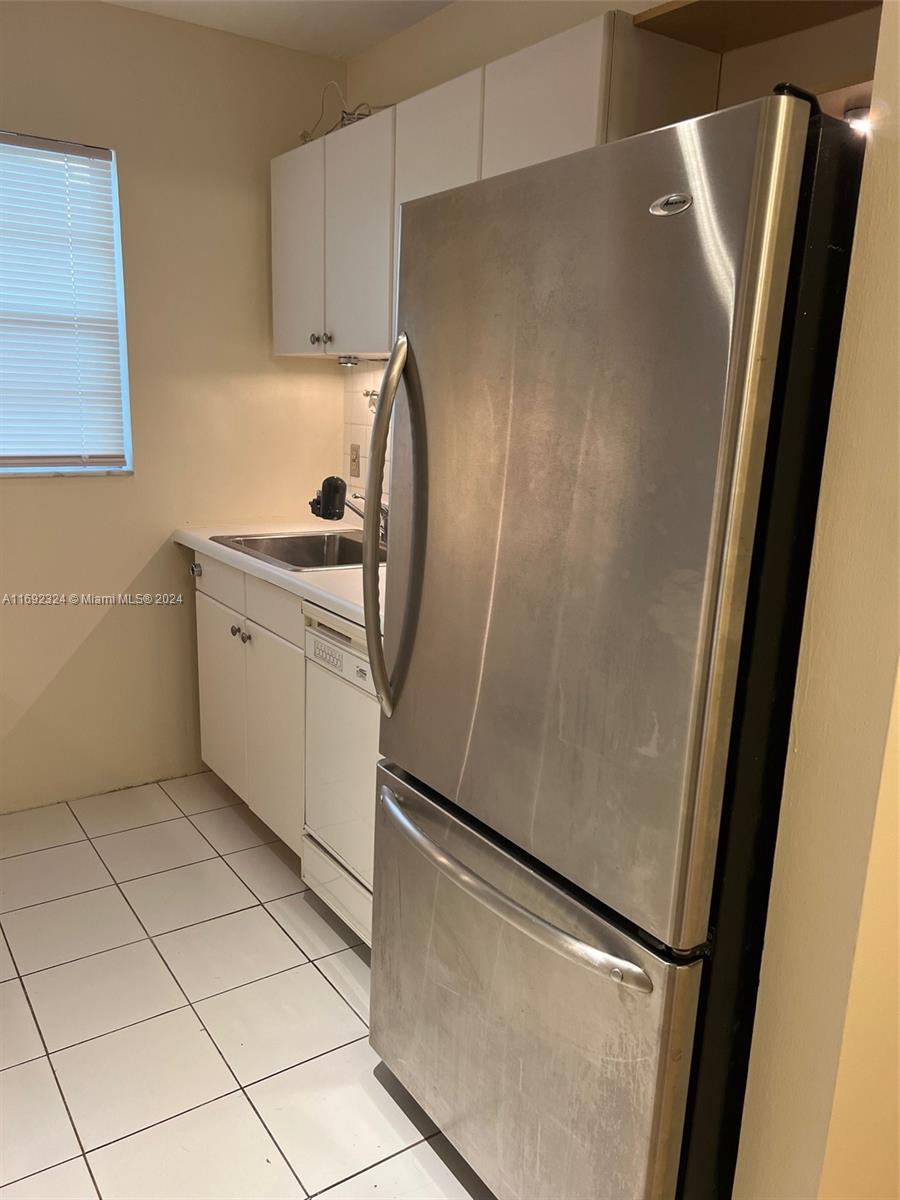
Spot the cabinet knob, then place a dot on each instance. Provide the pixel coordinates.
(327, 337)
(245, 638)
(314, 339)
(235, 630)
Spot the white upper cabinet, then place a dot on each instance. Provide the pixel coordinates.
(438, 143)
(298, 249)
(547, 100)
(336, 201)
(439, 138)
(359, 197)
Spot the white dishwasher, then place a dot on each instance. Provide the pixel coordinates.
(342, 720)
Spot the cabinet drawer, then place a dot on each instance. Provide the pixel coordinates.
(223, 583)
(275, 609)
(336, 886)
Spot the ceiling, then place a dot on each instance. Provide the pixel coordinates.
(334, 28)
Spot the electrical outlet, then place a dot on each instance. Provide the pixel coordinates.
(354, 460)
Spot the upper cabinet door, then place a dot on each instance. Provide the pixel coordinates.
(439, 138)
(438, 143)
(298, 249)
(359, 190)
(547, 100)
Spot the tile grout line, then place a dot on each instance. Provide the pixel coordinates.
(243, 1088)
(212, 1040)
(304, 1062)
(93, 837)
(308, 961)
(308, 957)
(95, 1037)
(387, 1158)
(224, 858)
(59, 1089)
(222, 853)
(178, 778)
(124, 1137)
(332, 984)
(287, 934)
(53, 899)
(90, 837)
(62, 1163)
(40, 850)
(4, 941)
(188, 1002)
(150, 874)
(67, 962)
(25, 1061)
(163, 1012)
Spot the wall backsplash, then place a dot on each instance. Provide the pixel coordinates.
(358, 419)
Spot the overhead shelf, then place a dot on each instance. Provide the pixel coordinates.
(723, 25)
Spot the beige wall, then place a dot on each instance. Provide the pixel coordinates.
(861, 1155)
(821, 59)
(846, 680)
(469, 33)
(99, 698)
(465, 34)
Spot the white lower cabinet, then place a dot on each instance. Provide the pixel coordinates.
(222, 669)
(276, 699)
(252, 700)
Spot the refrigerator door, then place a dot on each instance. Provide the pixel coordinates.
(552, 1050)
(576, 467)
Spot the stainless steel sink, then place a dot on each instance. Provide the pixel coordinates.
(302, 551)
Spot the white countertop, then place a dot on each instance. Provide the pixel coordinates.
(337, 589)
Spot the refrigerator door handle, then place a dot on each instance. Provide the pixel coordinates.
(372, 522)
(618, 970)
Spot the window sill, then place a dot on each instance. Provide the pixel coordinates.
(68, 472)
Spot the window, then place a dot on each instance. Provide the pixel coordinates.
(63, 365)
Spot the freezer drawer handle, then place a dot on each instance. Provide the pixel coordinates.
(371, 531)
(619, 970)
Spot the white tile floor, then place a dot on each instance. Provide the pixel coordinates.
(180, 1018)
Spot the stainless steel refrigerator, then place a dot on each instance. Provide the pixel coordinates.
(613, 382)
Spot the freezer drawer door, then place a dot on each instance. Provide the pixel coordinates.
(551, 1049)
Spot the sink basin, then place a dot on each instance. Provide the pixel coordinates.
(302, 551)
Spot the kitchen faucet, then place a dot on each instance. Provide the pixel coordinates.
(361, 512)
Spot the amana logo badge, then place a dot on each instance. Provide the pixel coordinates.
(668, 206)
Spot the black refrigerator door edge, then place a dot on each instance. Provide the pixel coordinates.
(771, 640)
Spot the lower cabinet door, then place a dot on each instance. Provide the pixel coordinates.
(276, 688)
(222, 678)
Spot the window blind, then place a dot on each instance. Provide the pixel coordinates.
(63, 366)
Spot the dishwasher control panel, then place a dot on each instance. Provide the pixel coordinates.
(329, 651)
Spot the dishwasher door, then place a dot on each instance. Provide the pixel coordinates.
(551, 1048)
(341, 752)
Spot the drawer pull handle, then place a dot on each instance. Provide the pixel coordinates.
(235, 630)
(618, 970)
(246, 637)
